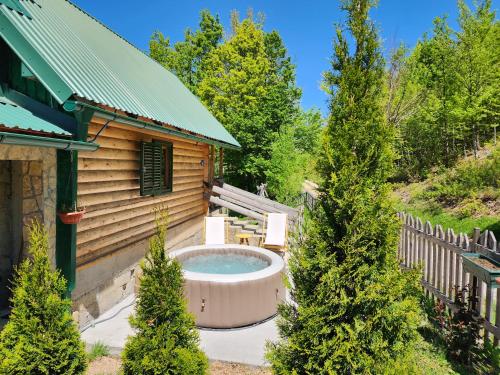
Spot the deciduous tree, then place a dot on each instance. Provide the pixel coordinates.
(186, 57)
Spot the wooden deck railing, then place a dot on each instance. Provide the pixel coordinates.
(439, 253)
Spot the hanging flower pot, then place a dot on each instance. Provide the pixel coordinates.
(71, 215)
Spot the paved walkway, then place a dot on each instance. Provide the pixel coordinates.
(244, 345)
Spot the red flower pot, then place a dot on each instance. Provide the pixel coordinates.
(71, 217)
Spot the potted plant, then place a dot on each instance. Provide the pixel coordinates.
(71, 214)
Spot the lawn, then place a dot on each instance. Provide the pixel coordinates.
(449, 220)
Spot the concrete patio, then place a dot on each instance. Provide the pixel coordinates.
(243, 345)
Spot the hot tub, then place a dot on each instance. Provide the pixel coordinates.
(230, 286)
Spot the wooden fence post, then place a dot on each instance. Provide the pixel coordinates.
(428, 230)
(443, 270)
(440, 254)
(476, 302)
(419, 241)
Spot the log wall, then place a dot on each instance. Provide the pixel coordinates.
(108, 185)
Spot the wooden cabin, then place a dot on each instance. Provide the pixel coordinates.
(153, 143)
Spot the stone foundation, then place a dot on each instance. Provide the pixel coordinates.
(105, 282)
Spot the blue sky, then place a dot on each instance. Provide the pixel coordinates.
(307, 27)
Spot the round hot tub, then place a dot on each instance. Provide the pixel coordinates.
(230, 286)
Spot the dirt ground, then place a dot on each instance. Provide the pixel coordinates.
(111, 366)
(104, 366)
(225, 368)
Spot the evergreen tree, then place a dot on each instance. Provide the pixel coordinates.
(166, 340)
(439, 76)
(353, 309)
(186, 57)
(41, 336)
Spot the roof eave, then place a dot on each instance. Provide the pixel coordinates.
(75, 105)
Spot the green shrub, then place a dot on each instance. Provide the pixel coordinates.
(468, 179)
(98, 350)
(286, 169)
(461, 330)
(41, 336)
(469, 207)
(166, 340)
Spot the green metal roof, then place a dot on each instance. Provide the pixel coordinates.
(19, 118)
(73, 54)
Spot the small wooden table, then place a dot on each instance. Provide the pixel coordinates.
(243, 238)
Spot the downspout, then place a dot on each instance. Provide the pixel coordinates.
(67, 188)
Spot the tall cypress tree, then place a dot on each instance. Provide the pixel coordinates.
(353, 309)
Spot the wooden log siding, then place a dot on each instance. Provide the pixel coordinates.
(438, 253)
(108, 185)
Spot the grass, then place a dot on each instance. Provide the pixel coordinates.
(464, 197)
(449, 220)
(425, 358)
(428, 357)
(98, 350)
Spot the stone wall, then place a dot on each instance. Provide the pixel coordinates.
(33, 178)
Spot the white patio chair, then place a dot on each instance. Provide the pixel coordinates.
(275, 234)
(215, 230)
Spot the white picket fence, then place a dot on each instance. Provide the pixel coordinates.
(439, 253)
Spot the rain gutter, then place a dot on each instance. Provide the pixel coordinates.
(32, 140)
(72, 106)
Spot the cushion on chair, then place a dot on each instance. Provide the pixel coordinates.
(276, 229)
(215, 231)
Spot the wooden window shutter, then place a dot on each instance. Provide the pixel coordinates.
(168, 167)
(147, 168)
(156, 167)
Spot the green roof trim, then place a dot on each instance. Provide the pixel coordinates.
(19, 118)
(17, 6)
(91, 62)
(32, 59)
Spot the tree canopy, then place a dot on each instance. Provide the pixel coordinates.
(186, 57)
(454, 78)
(247, 80)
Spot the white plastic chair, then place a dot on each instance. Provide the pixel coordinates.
(275, 235)
(215, 230)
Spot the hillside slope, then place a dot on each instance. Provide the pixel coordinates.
(461, 198)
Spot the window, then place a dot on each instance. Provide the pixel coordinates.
(156, 167)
